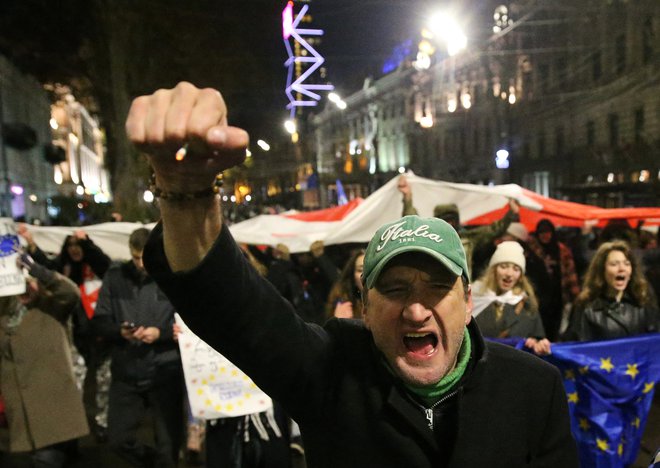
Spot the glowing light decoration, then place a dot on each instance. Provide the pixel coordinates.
(307, 95)
(502, 159)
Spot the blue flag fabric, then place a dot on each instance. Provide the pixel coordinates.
(341, 195)
(609, 386)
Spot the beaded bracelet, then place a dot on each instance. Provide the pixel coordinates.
(182, 196)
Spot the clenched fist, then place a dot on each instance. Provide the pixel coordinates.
(163, 122)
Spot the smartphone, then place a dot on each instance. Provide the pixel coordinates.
(128, 326)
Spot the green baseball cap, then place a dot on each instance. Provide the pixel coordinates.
(431, 236)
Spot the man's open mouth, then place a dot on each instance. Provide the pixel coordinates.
(422, 344)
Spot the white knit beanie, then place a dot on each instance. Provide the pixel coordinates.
(509, 252)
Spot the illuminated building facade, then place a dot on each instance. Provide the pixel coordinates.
(566, 94)
(26, 178)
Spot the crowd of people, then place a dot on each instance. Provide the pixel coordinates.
(375, 353)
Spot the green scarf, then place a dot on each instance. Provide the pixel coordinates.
(431, 394)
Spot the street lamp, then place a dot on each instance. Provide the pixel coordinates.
(290, 126)
(446, 28)
(338, 101)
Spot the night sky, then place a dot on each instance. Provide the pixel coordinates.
(233, 45)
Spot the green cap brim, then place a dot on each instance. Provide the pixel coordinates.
(375, 273)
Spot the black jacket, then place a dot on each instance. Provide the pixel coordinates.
(510, 409)
(606, 319)
(127, 296)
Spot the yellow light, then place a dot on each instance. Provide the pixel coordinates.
(452, 104)
(426, 121)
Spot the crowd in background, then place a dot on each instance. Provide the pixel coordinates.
(546, 286)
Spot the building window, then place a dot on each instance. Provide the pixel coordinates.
(538, 182)
(541, 146)
(475, 137)
(647, 40)
(613, 124)
(620, 53)
(559, 141)
(543, 77)
(591, 134)
(596, 65)
(560, 67)
(639, 125)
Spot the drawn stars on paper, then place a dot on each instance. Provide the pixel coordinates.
(606, 364)
(602, 444)
(632, 370)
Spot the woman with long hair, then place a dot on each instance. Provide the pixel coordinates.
(505, 305)
(616, 300)
(345, 298)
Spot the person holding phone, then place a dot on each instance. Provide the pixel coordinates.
(136, 318)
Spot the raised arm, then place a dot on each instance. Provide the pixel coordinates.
(193, 122)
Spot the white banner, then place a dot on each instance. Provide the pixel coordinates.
(12, 281)
(216, 387)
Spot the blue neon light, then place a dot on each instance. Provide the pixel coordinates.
(314, 59)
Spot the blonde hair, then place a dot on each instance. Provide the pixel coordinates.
(522, 286)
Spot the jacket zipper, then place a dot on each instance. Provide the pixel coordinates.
(429, 411)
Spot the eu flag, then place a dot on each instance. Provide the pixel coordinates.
(609, 386)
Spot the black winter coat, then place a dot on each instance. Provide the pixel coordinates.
(126, 296)
(510, 409)
(606, 319)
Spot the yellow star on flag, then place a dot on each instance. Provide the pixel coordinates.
(602, 444)
(635, 423)
(606, 364)
(619, 450)
(584, 424)
(573, 397)
(583, 370)
(648, 387)
(632, 370)
(569, 374)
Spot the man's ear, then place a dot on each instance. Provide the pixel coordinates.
(365, 307)
(468, 305)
